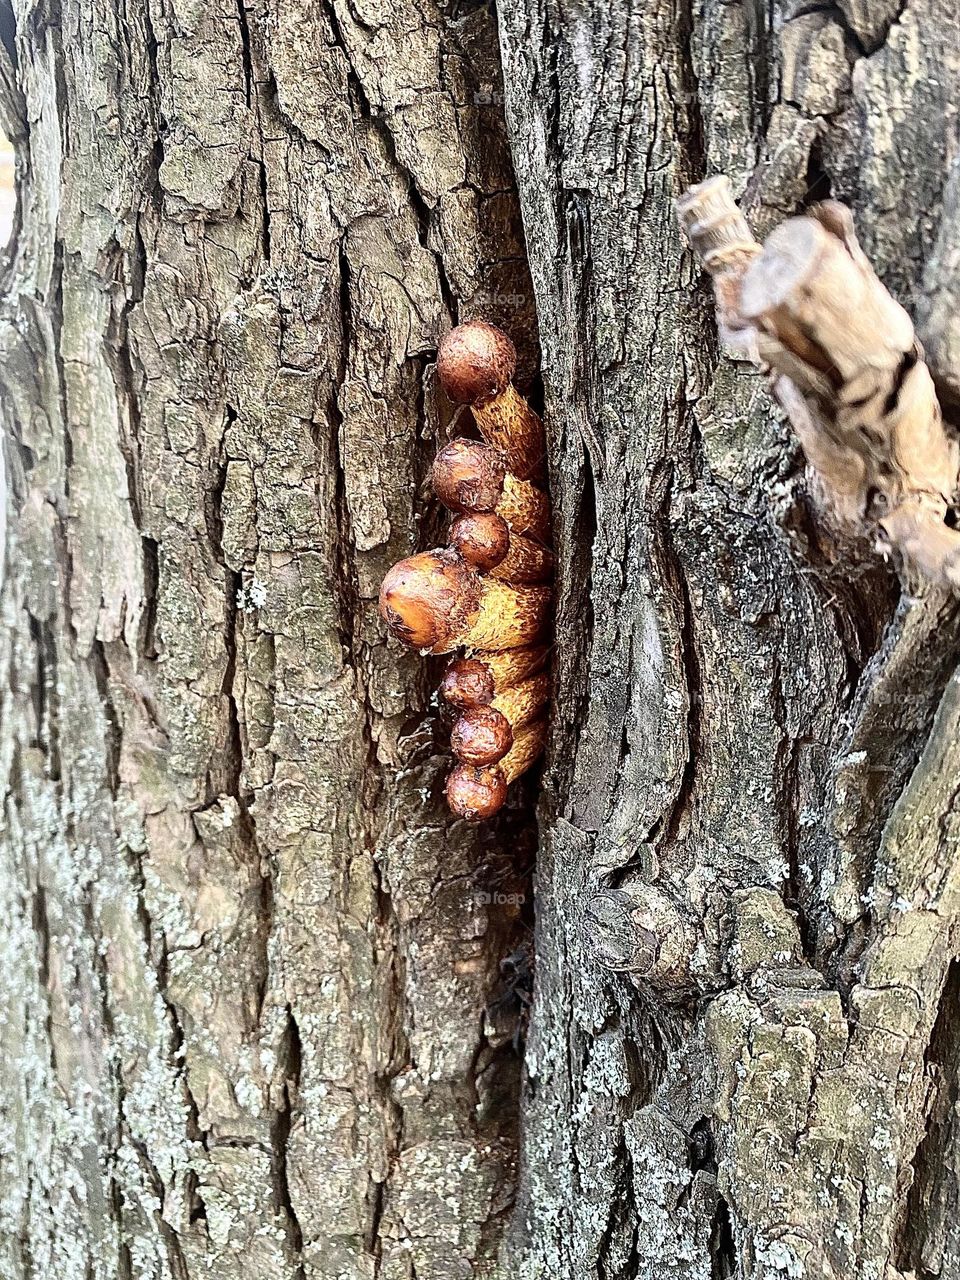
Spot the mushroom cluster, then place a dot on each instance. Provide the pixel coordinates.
(488, 592)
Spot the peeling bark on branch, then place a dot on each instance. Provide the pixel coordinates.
(845, 366)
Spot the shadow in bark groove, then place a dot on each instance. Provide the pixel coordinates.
(929, 1233)
(723, 1249)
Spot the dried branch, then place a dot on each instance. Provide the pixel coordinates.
(846, 367)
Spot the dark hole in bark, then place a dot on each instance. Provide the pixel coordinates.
(151, 582)
(819, 184)
(723, 1252)
(702, 1154)
(290, 1053)
(909, 360)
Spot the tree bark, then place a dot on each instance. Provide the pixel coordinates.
(247, 963)
(757, 749)
(262, 998)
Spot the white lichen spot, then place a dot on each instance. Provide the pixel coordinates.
(251, 596)
(779, 1258)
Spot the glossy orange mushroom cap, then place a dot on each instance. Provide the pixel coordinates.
(428, 600)
(476, 794)
(467, 683)
(482, 735)
(468, 476)
(475, 362)
(482, 539)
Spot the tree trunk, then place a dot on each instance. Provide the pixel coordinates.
(262, 999)
(757, 749)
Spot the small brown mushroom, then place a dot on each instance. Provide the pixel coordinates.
(430, 598)
(525, 561)
(514, 665)
(528, 744)
(435, 602)
(484, 541)
(476, 681)
(488, 591)
(525, 508)
(523, 702)
(484, 734)
(481, 735)
(468, 476)
(478, 793)
(475, 364)
(468, 682)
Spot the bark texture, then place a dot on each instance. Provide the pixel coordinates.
(755, 747)
(253, 1010)
(246, 956)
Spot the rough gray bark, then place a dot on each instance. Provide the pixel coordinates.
(252, 1019)
(759, 747)
(245, 963)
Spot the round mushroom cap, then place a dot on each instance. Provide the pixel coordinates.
(481, 735)
(467, 683)
(476, 361)
(427, 600)
(476, 794)
(468, 476)
(483, 539)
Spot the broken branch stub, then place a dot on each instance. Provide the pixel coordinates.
(845, 366)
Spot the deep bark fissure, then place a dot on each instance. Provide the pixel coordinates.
(290, 1065)
(939, 1140)
(723, 1249)
(674, 575)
